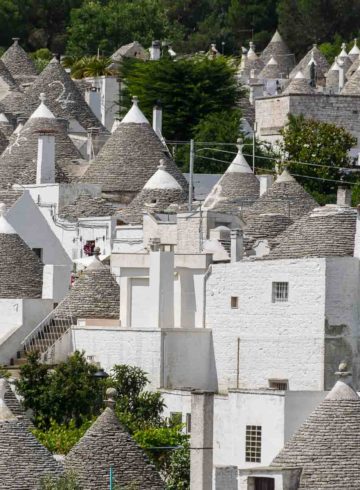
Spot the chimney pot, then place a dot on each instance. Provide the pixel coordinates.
(344, 195)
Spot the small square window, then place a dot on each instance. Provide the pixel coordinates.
(234, 301)
(253, 444)
(188, 423)
(280, 292)
(278, 384)
(175, 418)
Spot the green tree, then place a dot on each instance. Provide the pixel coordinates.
(319, 150)
(179, 469)
(68, 392)
(252, 20)
(189, 90)
(66, 482)
(304, 22)
(90, 66)
(106, 25)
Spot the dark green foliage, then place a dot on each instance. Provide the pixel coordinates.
(66, 482)
(317, 143)
(107, 25)
(304, 22)
(189, 90)
(179, 469)
(67, 392)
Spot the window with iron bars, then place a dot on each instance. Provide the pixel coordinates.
(253, 444)
(278, 384)
(280, 292)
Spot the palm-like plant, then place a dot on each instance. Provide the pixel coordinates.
(90, 66)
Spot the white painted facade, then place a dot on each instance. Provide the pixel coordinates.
(103, 98)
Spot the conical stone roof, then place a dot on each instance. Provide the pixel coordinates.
(265, 227)
(286, 197)
(327, 446)
(160, 192)
(95, 294)
(107, 444)
(130, 157)
(355, 65)
(19, 64)
(333, 76)
(86, 206)
(322, 65)
(354, 51)
(279, 50)
(352, 86)
(249, 62)
(21, 271)
(13, 101)
(3, 141)
(328, 231)
(271, 70)
(5, 125)
(237, 188)
(23, 460)
(63, 97)
(6, 76)
(18, 162)
(298, 85)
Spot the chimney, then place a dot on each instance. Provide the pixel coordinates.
(161, 285)
(92, 144)
(45, 169)
(157, 119)
(343, 196)
(93, 100)
(155, 51)
(266, 181)
(357, 235)
(340, 64)
(201, 442)
(237, 245)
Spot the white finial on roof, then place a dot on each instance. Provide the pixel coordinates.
(343, 52)
(312, 59)
(42, 111)
(355, 49)
(276, 37)
(343, 389)
(5, 227)
(16, 40)
(3, 118)
(251, 53)
(162, 179)
(239, 164)
(299, 75)
(5, 413)
(272, 61)
(285, 177)
(135, 115)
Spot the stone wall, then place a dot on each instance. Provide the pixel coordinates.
(271, 112)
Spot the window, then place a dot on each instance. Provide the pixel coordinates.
(38, 252)
(253, 444)
(176, 418)
(280, 292)
(234, 302)
(188, 423)
(278, 384)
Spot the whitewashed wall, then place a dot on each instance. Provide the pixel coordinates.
(277, 340)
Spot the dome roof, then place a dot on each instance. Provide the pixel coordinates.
(95, 294)
(20, 269)
(159, 192)
(279, 50)
(18, 161)
(298, 85)
(286, 197)
(19, 64)
(238, 187)
(107, 444)
(327, 445)
(271, 70)
(328, 231)
(130, 157)
(322, 65)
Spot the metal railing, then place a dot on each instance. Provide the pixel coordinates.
(46, 334)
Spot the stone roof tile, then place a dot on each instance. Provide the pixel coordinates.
(19, 64)
(279, 50)
(322, 65)
(107, 444)
(86, 206)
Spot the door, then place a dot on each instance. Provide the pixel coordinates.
(264, 483)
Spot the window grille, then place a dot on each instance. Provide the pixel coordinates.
(278, 384)
(188, 423)
(280, 292)
(253, 444)
(176, 418)
(234, 302)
